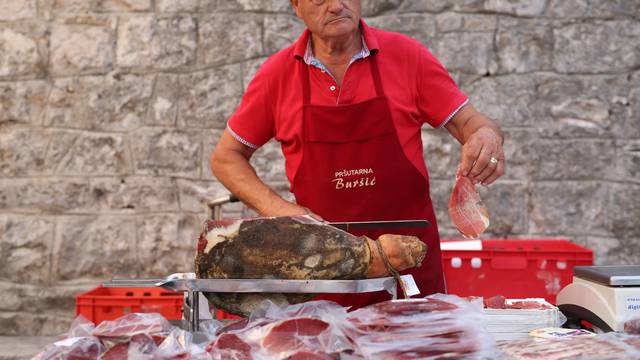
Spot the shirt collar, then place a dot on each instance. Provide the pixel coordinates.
(369, 42)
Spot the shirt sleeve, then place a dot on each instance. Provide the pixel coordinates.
(439, 98)
(253, 122)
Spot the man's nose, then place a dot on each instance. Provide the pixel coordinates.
(335, 6)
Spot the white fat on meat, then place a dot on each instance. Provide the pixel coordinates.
(220, 234)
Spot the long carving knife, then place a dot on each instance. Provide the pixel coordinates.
(384, 224)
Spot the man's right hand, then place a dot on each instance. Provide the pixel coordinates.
(230, 164)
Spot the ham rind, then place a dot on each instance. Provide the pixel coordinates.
(297, 248)
(466, 210)
(229, 346)
(292, 335)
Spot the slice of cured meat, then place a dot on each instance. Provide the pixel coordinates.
(132, 324)
(293, 335)
(310, 355)
(140, 344)
(495, 302)
(297, 247)
(466, 210)
(229, 346)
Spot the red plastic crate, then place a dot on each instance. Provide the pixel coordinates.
(514, 268)
(103, 303)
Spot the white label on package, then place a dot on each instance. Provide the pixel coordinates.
(632, 303)
(410, 285)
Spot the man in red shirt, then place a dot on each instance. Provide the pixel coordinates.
(347, 103)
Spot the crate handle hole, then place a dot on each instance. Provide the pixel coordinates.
(476, 263)
(456, 262)
(146, 293)
(129, 293)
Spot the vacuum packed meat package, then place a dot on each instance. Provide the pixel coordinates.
(296, 247)
(436, 327)
(466, 210)
(132, 324)
(299, 331)
(609, 346)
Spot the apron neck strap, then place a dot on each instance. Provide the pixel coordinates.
(375, 72)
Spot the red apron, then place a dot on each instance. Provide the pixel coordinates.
(353, 168)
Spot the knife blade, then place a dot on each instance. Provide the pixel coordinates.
(383, 224)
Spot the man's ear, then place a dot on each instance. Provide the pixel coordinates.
(296, 6)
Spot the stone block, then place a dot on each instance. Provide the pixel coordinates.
(163, 108)
(524, 45)
(22, 101)
(111, 102)
(421, 27)
(629, 155)
(568, 208)
(23, 50)
(157, 43)
(19, 324)
(169, 152)
(208, 6)
(441, 152)
(632, 130)
(441, 5)
(229, 37)
(440, 191)
(167, 244)
(373, 8)
(52, 300)
(583, 106)
(507, 206)
(81, 49)
(45, 195)
(268, 162)
(559, 159)
(516, 7)
(605, 249)
(139, 194)
(194, 195)
(592, 8)
(280, 31)
(177, 6)
(249, 69)
(603, 46)
(502, 98)
(122, 5)
(471, 53)
(96, 154)
(208, 98)
(456, 22)
(25, 248)
(517, 152)
(51, 9)
(95, 248)
(22, 151)
(623, 210)
(209, 141)
(18, 10)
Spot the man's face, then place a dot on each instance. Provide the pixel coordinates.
(329, 18)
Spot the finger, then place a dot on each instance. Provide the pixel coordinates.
(488, 170)
(481, 163)
(499, 171)
(470, 152)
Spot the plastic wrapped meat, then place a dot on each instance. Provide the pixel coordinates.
(138, 345)
(229, 346)
(297, 247)
(466, 210)
(610, 346)
(437, 327)
(73, 348)
(132, 324)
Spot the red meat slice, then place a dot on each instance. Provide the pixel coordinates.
(466, 210)
(143, 344)
(288, 335)
(310, 355)
(132, 324)
(529, 305)
(229, 347)
(632, 326)
(235, 325)
(75, 348)
(411, 307)
(495, 302)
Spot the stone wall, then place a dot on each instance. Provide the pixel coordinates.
(109, 110)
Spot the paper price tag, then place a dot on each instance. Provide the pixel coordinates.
(410, 285)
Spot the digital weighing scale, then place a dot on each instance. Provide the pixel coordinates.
(605, 296)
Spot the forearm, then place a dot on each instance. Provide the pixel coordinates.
(230, 164)
(468, 121)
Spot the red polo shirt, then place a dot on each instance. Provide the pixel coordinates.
(418, 87)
